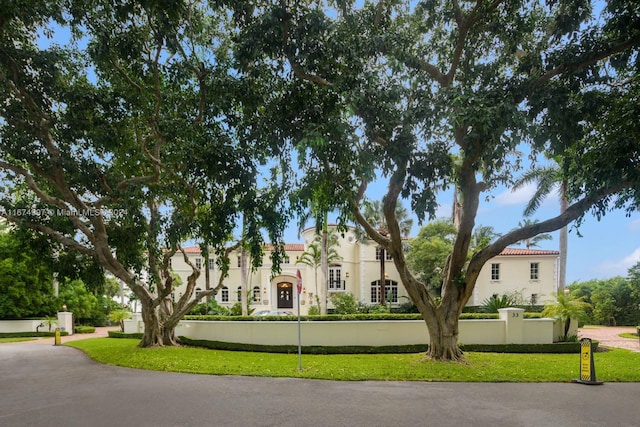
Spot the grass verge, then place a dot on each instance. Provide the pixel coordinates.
(611, 366)
(629, 335)
(17, 339)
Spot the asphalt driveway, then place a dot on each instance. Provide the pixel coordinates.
(44, 385)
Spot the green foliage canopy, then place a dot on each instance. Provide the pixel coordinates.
(26, 278)
(436, 94)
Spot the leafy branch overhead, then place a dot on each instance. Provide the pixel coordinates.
(432, 95)
(142, 140)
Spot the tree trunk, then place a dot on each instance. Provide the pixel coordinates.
(159, 330)
(443, 339)
(562, 279)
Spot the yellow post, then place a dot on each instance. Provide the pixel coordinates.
(587, 365)
(57, 338)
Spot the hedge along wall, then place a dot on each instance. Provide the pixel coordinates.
(65, 323)
(511, 328)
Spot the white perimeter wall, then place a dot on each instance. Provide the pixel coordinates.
(511, 328)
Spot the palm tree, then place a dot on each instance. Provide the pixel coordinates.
(119, 316)
(482, 236)
(565, 308)
(533, 241)
(374, 214)
(547, 179)
(313, 258)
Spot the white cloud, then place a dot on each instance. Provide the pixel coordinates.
(619, 268)
(523, 195)
(518, 197)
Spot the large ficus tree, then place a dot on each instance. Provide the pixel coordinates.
(131, 137)
(433, 94)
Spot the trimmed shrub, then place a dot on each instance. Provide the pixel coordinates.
(83, 329)
(219, 345)
(563, 347)
(118, 334)
(415, 348)
(31, 334)
(337, 317)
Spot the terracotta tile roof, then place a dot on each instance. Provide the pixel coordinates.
(518, 251)
(290, 247)
(191, 249)
(287, 247)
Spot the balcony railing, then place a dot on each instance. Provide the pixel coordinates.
(337, 285)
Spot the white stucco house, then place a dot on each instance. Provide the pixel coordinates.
(530, 273)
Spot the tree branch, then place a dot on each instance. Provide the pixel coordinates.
(592, 59)
(295, 67)
(572, 213)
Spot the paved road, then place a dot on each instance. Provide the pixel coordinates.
(44, 385)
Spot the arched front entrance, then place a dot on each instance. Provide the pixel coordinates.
(285, 294)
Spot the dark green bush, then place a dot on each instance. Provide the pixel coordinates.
(219, 345)
(344, 303)
(336, 317)
(564, 347)
(415, 348)
(30, 334)
(83, 329)
(118, 334)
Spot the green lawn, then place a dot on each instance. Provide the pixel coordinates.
(630, 335)
(3, 340)
(614, 365)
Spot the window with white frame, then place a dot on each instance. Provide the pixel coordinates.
(286, 259)
(256, 293)
(212, 264)
(224, 294)
(335, 278)
(495, 271)
(198, 292)
(391, 291)
(239, 261)
(387, 255)
(239, 293)
(534, 271)
(198, 263)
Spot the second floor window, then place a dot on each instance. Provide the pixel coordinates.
(495, 271)
(198, 263)
(534, 271)
(387, 256)
(335, 278)
(212, 264)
